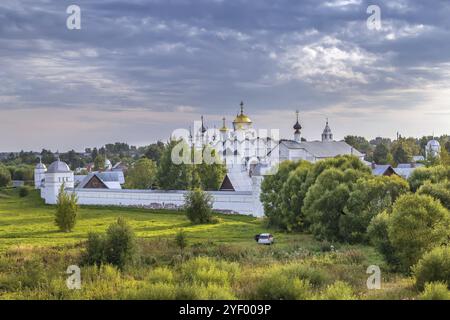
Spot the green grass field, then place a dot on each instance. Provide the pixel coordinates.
(34, 255)
(28, 221)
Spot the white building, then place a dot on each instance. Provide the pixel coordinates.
(432, 149)
(247, 155)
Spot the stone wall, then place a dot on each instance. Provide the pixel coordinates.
(224, 201)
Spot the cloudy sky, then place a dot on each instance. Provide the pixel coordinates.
(139, 69)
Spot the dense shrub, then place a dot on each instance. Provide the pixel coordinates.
(198, 206)
(325, 201)
(283, 194)
(24, 191)
(435, 291)
(66, 210)
(418, 223)
(23, 173)
(271, 195)
(433, 267)
(292, 196)
(369, 197)
(379, 238)
(434, 174)
(275, 286)
(203, 270)
(440, 191)
(5, 176)
(181, 239)
(338, 291)
(120, 244)
(95, 249)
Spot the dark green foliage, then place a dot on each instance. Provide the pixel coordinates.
(434, 266)
(439, 191)
(120, 244)
(271, 195)
(175, 176)
(378, 234)
(5, 176)
(181, 239)
(325, 202)
(198, 206)
(418, 223)
(117, 247)
(24, 191)
(433, 174)
(66, 210)
(380, 154)
(95, 249)
(370, 196)
(292, 195)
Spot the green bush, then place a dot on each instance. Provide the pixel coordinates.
(379, 238)
(275, 286)
(181, 239)
(440, 191)
(434, 174)
(24, 191)
(95, 249)
(435, 291)
(160, 274)
(66, 210)
(338, 291)
(433, 267)
(315, 276)
(418, 223)
(198, 206)
(203, 270)
(120, 244)
(369, 197)
(5, 176)
(118, 247)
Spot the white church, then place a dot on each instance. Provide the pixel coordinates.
(248, 157)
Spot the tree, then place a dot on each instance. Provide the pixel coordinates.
(400, 154)
(370, 196)
(378, 234)
(143, 175)
(66, 210)
(444, 157)
(120, 244)
(292, 196)
(434, 266)
(380, 154)
(271, 195)
(99, 163)
(434, 174)
(359, 143)
(326, 199)
(198, 206)
(155, 151)
(439, 191)
(181, 240)
(5, 176)
(209, 174)
(173, 176)
(418, 223)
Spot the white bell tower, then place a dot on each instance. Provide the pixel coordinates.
(39, 174)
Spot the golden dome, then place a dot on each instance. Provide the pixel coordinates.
(242, 118)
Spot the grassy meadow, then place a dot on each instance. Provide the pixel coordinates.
(222, 260)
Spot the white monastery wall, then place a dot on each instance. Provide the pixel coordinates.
(225, 201)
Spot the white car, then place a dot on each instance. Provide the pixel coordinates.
(264, 238)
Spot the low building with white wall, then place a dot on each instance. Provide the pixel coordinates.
(58, 174)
